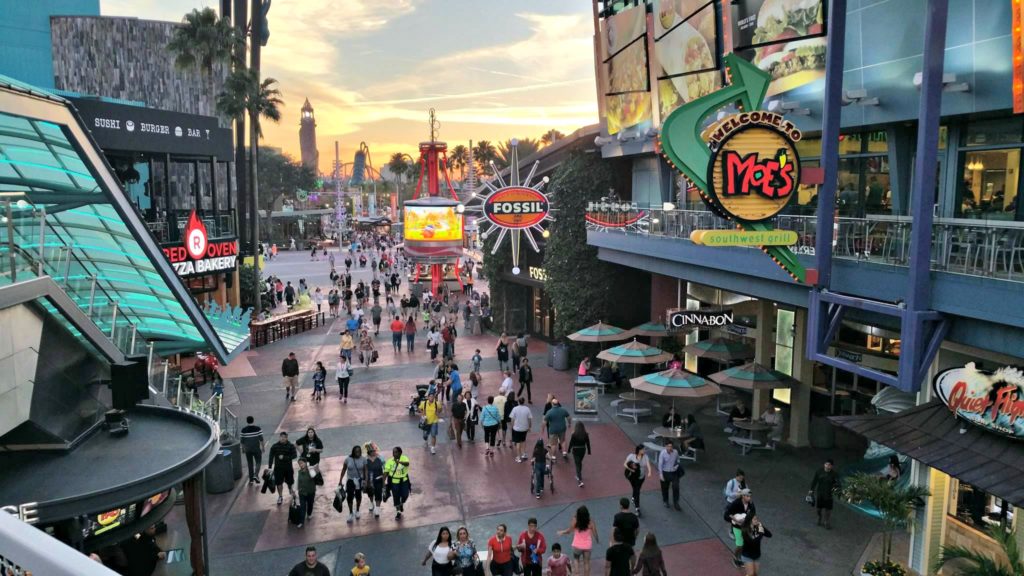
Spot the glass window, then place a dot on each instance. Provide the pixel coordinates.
(808, 148)
(784, 333)
(977, 508)
(989, 185)
(876, 141)
(864, 186)
(994, 132)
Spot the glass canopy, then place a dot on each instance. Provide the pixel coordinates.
(65, 216)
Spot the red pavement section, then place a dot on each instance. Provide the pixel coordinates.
(699, 558)
(368, 403)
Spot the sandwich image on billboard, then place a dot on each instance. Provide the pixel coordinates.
(626, 84)
(785, 38)
(685, 49)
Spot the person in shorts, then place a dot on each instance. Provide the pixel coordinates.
(290, 374)
(282, 454)
(522, 421)
(556, 422)
(430, 410)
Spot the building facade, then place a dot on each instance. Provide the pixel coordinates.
(975, 279)
(26, 51)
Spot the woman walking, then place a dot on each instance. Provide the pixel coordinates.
(319, 377)
(753, 531)
(366, 350)
(472, 416)
(356, 469)
(579, 446)
(584, 536)
(343, 372)
(499, 549)
(539, 460)
(374, 478)
(410, 334)
(638, 468)
(307, 490)
(310, 446)
(502, 349)
(467, 559)
(440, 553)
(490, 419)
(650, 562)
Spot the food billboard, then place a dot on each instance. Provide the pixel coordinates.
(686, 51)
(785, 38)
(626, 83)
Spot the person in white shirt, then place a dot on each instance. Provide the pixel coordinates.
(506, 385)
(343, 372)
(733, 487)
(522, 422)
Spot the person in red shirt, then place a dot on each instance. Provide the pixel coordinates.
(532, 546)
(499, 548)
(397, 328)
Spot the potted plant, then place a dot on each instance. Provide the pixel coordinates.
(973, 563)
(895, 504)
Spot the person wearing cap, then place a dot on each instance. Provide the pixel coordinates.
(735, 513)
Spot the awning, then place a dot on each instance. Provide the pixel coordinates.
(72, 222)
(932, 435)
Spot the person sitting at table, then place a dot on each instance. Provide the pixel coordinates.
(695, 438)
(739, 412)
(605, 374)
(676, 363)
(584, 366)
(672, 419)
(773, 417)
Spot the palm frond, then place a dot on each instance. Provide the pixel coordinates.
(980, 564)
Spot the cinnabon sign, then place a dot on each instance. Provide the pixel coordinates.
(197, 255)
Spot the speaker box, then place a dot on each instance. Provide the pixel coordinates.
(128, 383)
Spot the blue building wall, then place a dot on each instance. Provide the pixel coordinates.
(25, 52)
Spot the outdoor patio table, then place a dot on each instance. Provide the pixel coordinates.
(752, 428)
(671, 433)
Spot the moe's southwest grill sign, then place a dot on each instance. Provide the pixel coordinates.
(197, 255)
(516, 207)
(992, 400)
(745, 165)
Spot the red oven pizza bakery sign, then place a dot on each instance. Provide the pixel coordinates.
(992, 400)
(197, 255)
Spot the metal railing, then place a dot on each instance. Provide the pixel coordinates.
(172, 228)
(984, 248)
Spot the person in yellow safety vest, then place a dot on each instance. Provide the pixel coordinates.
(396, 472)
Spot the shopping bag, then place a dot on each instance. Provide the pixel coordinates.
(296, 515)
(339, 502)
(373, 356)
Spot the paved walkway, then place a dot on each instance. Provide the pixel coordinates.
(249, 535)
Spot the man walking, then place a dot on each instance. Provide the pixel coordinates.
(290, 373)
(532, 547)
(397, 326)
(735, 514)
(626, 523)
(375, 315)
(252, 445)
(824, 484)
(430, 410)
(282, 454)
(525, 379)
(522, 421)
(311, 567)
(396, 472)
(669, 472)
(557, 421)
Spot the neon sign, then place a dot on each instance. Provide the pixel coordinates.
(991, 400)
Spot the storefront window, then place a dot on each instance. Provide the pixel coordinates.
(994, 132)
(977, 508)
(784, 334)
(989, 184)
(864, 186)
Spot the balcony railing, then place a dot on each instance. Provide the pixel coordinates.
(974, 247)
(172, 229)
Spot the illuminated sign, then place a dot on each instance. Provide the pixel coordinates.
(679, 319)
(198, 255)
(745, 165)
(607, 214)
(432, 224)
(743, 237)
(516, 207)
(538, 274)
(991, 400)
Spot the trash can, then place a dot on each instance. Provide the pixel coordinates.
(560, 357)
(235, 448)
(219, 476)
(551, 356)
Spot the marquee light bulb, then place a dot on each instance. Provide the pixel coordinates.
(516, 270)
(460, 208)
(483, 235)
(545, 234)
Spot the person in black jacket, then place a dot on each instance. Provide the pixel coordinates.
(579, 446)
(290, 373)
(525, 379)
(823, 485)
(252, 445)
(282, 454)
(753, 531)
(143, 553)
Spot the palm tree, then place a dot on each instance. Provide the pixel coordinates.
(203, 39)
(459, 158)
(484, 153)
(550, 137)
(895, 504)
(527, 147)
(982, 564)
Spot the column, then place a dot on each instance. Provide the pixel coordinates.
(213, 191)
(929, 530)
(800, 396)
(763, 350)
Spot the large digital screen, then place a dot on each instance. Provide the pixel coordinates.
(627, 85)
(785, 38)
(686, 51)
(432, 224)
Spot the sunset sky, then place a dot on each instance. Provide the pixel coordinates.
(493, 69)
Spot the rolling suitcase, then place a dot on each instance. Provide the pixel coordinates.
(296, 515)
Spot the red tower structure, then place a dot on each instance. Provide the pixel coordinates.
(433, 222)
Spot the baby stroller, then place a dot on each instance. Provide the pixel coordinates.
(549, 473)
(419, 396)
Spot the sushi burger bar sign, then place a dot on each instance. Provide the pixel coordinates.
(991, 400)
(197, 255)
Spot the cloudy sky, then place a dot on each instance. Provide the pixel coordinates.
(493, 69)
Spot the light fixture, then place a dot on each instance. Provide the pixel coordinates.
(546, 233)
(858, 97)
(602, 140)
(949, 83)
(668, 206)
(975, 166)
(460, 208)
(516, 270)
(791, 108)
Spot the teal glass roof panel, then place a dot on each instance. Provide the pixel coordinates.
(91, 244)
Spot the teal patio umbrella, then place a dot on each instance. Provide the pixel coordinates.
(675, 383)
(635, 353)
(650, 329)
(599, 332)
(721, 349)
(753, 376)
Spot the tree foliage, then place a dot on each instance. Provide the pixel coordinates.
(526, 147)
(494, 266)
(244, 93)
(974, 563)
(484, 153)
(459, 159)
(281, 175)
(203, 39)
(550, 137)
(895, 503)
(579, 285)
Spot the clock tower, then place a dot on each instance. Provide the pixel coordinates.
(307, 138)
